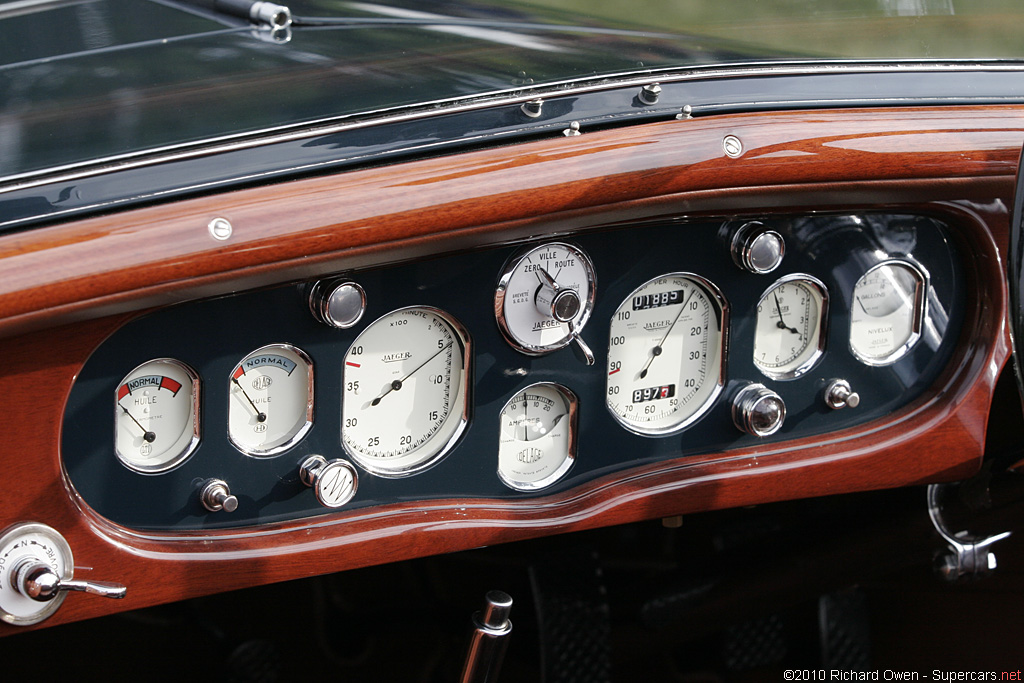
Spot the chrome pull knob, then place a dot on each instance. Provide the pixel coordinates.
(339, 303)
(334, 483)
(216, 496)
(758, 411)
(554, 301)
(839, 395)
(757, 249)
(37, 580)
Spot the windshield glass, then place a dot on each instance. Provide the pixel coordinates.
(91, 80)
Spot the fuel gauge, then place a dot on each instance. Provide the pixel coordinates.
(888, 311)
(538, 437)
(270, 407)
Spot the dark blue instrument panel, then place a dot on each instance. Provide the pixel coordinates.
(212, 336)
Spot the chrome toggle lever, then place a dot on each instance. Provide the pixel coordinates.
(491, 628)
(37, 580)
(563, 304)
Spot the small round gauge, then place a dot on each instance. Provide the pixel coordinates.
(156, 416)
(887, 312)
(270, 400)
(665, 354)
(406, 385)
(544, 297)
(791, 321)
(537, 445)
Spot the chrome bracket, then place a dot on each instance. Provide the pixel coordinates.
(969, 555)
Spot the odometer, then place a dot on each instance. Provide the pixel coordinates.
(665, 365)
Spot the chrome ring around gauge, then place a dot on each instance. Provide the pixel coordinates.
(156, 416)
(792, 320)
(544, 297)
(537, 437)
(406, 385)
(666, 354)
(270, 400)
(887, 311)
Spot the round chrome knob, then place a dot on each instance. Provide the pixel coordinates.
(757, 249)
(339, 303)
(334, 483)
(216, 496)
(838, 395)
(561, 303)
(757, 410)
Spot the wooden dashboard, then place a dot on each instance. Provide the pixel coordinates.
(67, 287)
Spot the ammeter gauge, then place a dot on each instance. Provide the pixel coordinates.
(538, 437)
(791, 321)
(156, 416)
(406, 386)
(887, 312)
(270, 400)
(544, 298)
(665, 354)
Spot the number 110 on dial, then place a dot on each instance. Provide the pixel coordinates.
(665, 354)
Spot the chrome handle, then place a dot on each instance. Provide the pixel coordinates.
(38, 581)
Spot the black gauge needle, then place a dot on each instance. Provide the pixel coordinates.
(861, 305)
(782, 325)
(397, 384)
(260, 415)
(656, 351)
(149, 436)
(526, 418)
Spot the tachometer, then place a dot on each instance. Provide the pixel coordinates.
(665, 354)
(406, 386)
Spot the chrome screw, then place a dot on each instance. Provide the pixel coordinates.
(220, 229)
(732, 146)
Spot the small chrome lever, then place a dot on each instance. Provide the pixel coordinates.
(491, 628)
(969, 554)
(38, 581)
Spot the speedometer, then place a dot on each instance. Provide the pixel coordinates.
(406, 381)
(665, 354)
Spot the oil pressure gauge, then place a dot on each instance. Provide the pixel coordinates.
(544, 298)
(538, 441)
(270, 403)
(156, 416)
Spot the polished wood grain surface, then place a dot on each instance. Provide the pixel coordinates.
(956, 164)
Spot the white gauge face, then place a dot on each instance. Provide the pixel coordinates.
(791, 320)
(405, 385)
(529, 328)
(29, 543)
(665, 354)
(156, 416)
(888, 308)
(270, 400)
(537, 441)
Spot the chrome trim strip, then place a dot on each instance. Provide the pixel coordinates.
(332, 125)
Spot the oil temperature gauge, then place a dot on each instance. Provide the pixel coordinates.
(156, 416)
(270, 404)
(544, 298)
(538, 437)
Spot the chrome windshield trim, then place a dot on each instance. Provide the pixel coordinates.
(337, 124)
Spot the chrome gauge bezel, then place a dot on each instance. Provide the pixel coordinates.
(509, 269)
(10, 598)
(310, 400)
(193, 443)
(922, 285)
(723, 312)
(572, 409)
(461, 334)
(822, 344)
